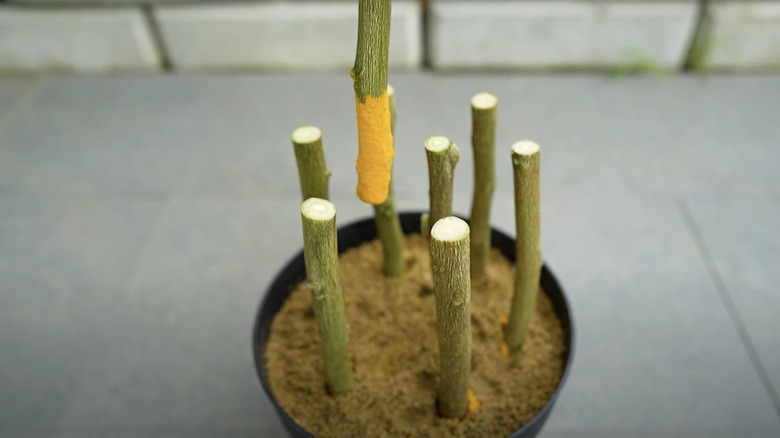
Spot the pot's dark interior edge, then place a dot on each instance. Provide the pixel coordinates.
(358, 232)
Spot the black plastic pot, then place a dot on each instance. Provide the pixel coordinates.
(353, 235)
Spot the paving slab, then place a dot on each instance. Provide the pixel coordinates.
(181, 360)
(560, 34)
(615, 139)
(653, 336)
(743, 241)
(212, 134)
(225, 36)
(76, 39)
(11, 92)
(126, 135)
(181, 338)
(87, 167)
(63, 265)
(741, 35)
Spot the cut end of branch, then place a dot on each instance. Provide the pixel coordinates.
(437, 143)
(450, 229)
(306, 135)
(318, 209)
(484, 101)
(525, 147)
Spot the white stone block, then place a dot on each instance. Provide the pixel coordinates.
(744, 35)
(299, 35)
(81, 40)
(554, 34)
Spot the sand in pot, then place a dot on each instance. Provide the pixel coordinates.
(395, 354)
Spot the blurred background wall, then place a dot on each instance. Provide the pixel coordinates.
(621, 36)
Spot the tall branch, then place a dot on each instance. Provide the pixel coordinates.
(528, 253)
(388, 224)
(320, 253)
(442, 155)
(452, 287)
(375, 140)
(312, 172)
(484, 111)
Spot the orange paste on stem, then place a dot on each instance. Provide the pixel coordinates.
(375, 148)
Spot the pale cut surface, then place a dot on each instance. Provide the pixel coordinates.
(306, 134)
(318, 209)
(525, 147)
(437, 143)
(484, 100)
(450, 229)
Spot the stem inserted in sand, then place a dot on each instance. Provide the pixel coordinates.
(375, 140)
(528, 254)
(452, 287)
(321, 258)
(442, 156)
(388, 224)
(484, 111)
(312, 172)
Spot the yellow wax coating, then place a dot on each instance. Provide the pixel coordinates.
(375, 148)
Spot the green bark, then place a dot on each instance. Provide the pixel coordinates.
(312, 172)
(452, 288)
(388, 224)
(442, 156)
(321, 257)
(370, 70)
(484, 112)
(528, 254)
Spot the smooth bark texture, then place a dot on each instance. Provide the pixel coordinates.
(452, 288)
(442, 156)
(484, 112)
(322, 272)
(528, 254)
(312, 172)
(388, 225)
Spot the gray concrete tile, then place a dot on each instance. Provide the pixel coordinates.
(257, 117)
(258, 158)
(662, 135)
(180, 359)
(201, 134)
(181, 338)
(10, 92)
(175, 359)
(63, 265)
(111, 135)
(55, 40)
(656, 351)
(742, 236)
(191, 378)
(638, 132)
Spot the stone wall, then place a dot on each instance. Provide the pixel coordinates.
(42, 36)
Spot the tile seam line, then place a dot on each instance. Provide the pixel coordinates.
(159, 42)
(728, 302)
(20, 105)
